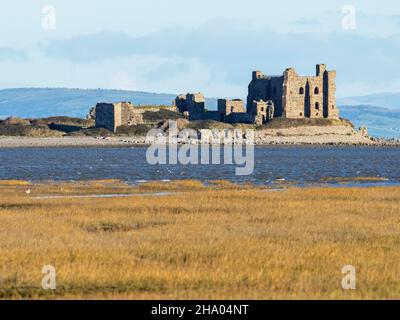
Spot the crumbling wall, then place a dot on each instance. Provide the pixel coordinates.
(180, 103)
(259, 109)
(108, 115)
(266, 88)
(113, 115)
(192, 103)
(196, 104)
(227, 106)
(240, 117)
(210, 115)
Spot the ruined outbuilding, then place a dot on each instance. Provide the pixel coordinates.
(113, 115)
(226, 107)
(193, 105)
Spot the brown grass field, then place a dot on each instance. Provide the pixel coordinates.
(215, 242)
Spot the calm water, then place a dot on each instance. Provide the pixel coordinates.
(301, 165)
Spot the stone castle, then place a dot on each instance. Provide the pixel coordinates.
(288, 96)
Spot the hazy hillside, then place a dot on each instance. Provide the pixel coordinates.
(379, 112)
(69, 102)
(383, 100)
(45, 102)
(383, 121)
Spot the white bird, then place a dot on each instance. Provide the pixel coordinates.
(28, 191)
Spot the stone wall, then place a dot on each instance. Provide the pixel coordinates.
(266, 88)
(259, 109)
(192, 103)
(196, 104)
(108, 115)
(227, 106)
(180, 103)
(240, 117)
(113, 115)
(210, 115)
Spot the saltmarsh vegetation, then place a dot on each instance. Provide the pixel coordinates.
(198, 242)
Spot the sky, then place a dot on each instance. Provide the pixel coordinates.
(190, 46)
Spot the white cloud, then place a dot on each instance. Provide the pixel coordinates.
(121, 80)
(216, 58)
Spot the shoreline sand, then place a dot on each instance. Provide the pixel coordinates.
(61, 142)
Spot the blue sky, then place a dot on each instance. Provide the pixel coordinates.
(210, 46)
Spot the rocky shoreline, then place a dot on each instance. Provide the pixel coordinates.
(297, 136)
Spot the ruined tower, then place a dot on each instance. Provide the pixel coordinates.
(108, 115)
(266, 88)
(297, 96)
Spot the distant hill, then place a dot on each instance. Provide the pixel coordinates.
(380, 122)
(383, 100)
(379, 112)
(42, 102)
(46, 102)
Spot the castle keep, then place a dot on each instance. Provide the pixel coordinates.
(297, 96)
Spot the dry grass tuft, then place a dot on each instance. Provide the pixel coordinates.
(352, 179)
(14, 183)
(176, 185)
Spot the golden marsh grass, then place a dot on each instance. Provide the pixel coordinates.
(217, 242)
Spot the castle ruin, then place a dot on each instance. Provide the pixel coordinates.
(193, 105)
(289, 96)
(297, 96)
